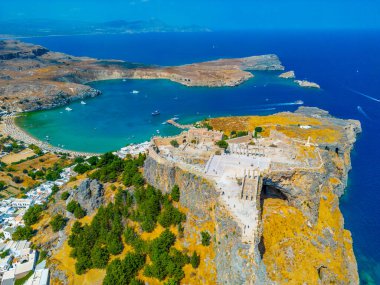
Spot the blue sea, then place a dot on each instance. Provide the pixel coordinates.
(345, 63)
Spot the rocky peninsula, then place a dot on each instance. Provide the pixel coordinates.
(34, 78)
(271, 199)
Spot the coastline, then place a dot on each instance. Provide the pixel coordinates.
(11, 129)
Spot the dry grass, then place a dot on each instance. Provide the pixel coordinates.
(46, 161)
(15, 157)
(286, 123)
(288, 242)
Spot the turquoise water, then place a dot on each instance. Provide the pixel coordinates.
(345, 63)
(119, 117)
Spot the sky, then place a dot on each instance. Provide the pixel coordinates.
(215, 14)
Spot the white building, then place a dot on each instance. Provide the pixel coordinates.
(9, 277)
(8, 232)
(22, 203)
(39, 277)
(5, 263)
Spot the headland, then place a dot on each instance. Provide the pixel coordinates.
(270, 192)
(34, 78)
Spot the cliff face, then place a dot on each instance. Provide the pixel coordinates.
(233, 261)
(300, 235)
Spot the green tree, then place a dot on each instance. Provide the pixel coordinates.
(206, 238)
(174, 143)
(170, 216)
(99, 256)
(65, 195)
(258, 130)
(122, 272)
(54, 189)
(23, 233)
(175, 194)
(58, 222)
(195, 260)
(32, 215)
(79, 213)
(222, 144)
(114, 243)
(82, 168)
(17, 179)
(71, 206)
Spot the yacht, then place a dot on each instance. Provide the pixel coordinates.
(68, 109)
(83, 103)
(298, 102)
(135, 92)
(155, 113)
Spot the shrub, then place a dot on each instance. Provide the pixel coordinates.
(174, 143)
(65, 195)
(17, 179)
(195, 260)
(170, 216)
(54, 189)
(58, 222)
(222, 144)
(257, 130)
(32, 215)
(175, 194)
(81, 168)
(75, 208)
(206, 238)
(23, 233)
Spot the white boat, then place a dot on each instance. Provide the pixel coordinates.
(83, 103)
(124, 80)
(135, 92)
(68, 109)
(298, 102)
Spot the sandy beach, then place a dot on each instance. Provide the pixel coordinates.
(10, 128)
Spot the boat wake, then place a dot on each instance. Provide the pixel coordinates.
(361, 111)
(264, 109)
(364, 95)
(298, 102)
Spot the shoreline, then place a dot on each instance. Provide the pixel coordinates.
(11, 129)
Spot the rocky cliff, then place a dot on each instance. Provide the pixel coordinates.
(301, 235)
(234, 261)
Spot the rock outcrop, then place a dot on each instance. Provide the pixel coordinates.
(307, 84)
(288, 74)
(89, 194)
